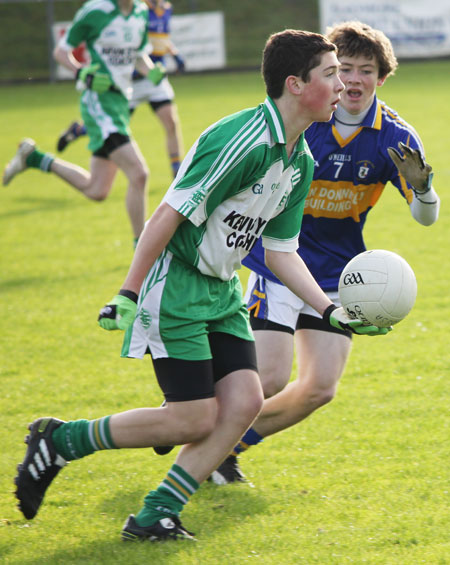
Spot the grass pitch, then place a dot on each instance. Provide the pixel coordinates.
(364, 480)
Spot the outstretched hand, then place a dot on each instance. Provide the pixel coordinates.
(338, 318)
(412, 167)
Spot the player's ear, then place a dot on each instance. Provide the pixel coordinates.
(381, 81)
(294, 84)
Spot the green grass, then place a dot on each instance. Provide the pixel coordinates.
(364, 480)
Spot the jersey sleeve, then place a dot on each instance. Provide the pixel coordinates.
(79, 30)
(282, 231)
(218, 166)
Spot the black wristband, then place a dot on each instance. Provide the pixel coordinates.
(327, 312)
(129, 294)
(77, 74)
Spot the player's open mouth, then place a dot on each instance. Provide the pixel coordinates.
(354, 94)
(335, 103)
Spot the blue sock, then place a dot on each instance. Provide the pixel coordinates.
(247, 440)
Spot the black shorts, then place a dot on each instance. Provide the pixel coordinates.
(304, 322)
(155, 106)
(114, 141)
(182, 380)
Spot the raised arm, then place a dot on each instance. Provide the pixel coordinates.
(418, 173)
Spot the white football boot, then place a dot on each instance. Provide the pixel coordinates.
(18, 162)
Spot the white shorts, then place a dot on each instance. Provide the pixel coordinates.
(145, 91)
(274, 302)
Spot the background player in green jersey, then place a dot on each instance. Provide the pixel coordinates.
(116, 36)
(246, 175)
(363, 130)
(160, 97)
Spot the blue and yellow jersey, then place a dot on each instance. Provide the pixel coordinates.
(349, 177)
(159, 30)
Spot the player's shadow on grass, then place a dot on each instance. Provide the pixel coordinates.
(213, 509)
(38, 205)
(17, 284)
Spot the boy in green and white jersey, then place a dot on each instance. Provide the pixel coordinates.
(246, 176)
(116, 37)
(246, 192)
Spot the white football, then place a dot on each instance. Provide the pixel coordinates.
(378, 287)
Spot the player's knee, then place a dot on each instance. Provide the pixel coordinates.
(198, 424)
(325, 396)
(248, 407)
(97, 195)
(320, 395)
(140, 177)
(272, 387)
(274, 377)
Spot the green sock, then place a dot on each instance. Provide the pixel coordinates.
(169, 498)
(39, 160)
(79, 438)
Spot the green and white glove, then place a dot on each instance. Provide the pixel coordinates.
(93, 80)
(157, 73)
(412, 167)
(120, 312)
(338, 318)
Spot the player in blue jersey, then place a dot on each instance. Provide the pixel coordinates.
(115, 35)
(363, 147)
(160, 97)
(247, 175)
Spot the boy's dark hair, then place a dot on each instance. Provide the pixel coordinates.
(291, 52)
(356, 38)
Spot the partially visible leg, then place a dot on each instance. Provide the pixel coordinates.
(275, 354)
(73, 132)
(52, 442)
(95, 184)
(175, 423)
(239, 398)
(321, 360)
(168, 116)
(129, 158)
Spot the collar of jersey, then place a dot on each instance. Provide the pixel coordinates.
(274, 120)
(276, 127)
(372, 119)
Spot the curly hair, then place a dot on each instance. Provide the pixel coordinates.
(356, 38)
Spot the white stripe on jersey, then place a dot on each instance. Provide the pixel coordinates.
(105, 6)
(103, 120)
(222, 162)
(276, 122)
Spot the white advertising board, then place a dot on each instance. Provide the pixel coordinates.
(416, 29)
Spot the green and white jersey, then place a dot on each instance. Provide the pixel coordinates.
(113, 40)
(236, 184)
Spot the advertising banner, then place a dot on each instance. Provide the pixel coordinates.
(416, 29)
